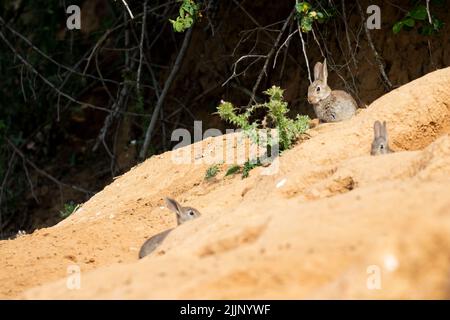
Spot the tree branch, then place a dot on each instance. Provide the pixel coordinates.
(160, 102)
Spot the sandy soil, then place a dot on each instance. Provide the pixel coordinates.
(333, 222)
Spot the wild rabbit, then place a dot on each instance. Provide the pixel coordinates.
(380, 143)
(183, 214)
(329, 105)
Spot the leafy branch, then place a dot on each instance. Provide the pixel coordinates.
(307, 14)
(419, 15)
(188, 13)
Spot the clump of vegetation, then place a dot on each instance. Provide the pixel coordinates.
(248, 166)
(419, 15)
(188, 13)
(233, 170)
(244, 169)
(212, 171)
(288, 129)
(68, 209)
(306, 15)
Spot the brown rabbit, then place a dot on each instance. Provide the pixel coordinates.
(329, 105)
(183, 214)
(380, 143)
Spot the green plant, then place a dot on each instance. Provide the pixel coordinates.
(288, 129)
(306, 15)
(248, 166)
(68, 209)
(419, 16)
(188, 13)
(212, 171)
(233, 170)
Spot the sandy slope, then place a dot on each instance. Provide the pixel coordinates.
(340, 215)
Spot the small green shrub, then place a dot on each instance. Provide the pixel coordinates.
(68, 209)
(288, 129)
(233, 170)
(212, 171)
(248, 166)
(276, 111)
(419, 16)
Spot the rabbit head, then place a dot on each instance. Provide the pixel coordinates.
(380, 140)
(183, 213)
(319, 89)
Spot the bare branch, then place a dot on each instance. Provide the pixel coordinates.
(128, 8)
(50, 84)
(387, 83)
(305, 54)
(141, 49)
(172, 75)
(269, 56)
(43, 173)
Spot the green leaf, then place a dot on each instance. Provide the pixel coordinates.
(409, 22)
(397, 27)
(306, 24)
(426, 30)
(303, 7)
(188, 12)
(437, 24)
(232, 170)
(419, 13)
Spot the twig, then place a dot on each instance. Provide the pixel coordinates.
(128, 8)
(428, 12)
(3, 186)
(318, 43)
(50, 84)
(234, 75)
(269, 56)
(305, 54)
(29, 180)
(42, 172)
(173, 73)
(268, 34)
(346, 33)
(99, 42)
(286, 52)
(40, 52)
(285, 43)
(387, 83)
(141, 49)
(117, 106)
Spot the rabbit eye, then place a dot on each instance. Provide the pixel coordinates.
(318, 89)
(191, 213)
(382, 147)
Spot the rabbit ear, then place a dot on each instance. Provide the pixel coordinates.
(324, 71)
(173, 205)
(384, 130)
(317, 71)
(377, 129)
